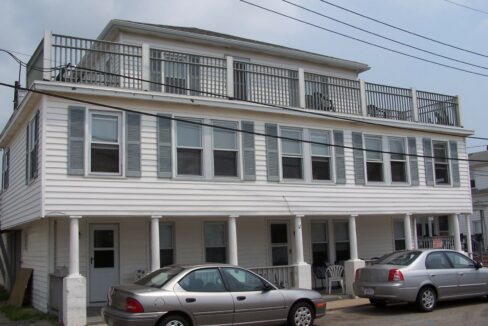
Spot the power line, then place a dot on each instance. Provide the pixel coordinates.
(385, 37)
(467, 7)
(365, 42)
(405, 30)
(114, 107)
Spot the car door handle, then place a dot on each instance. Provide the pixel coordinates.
(190, 300)
(241, 298)
(461, 273)
(433, 275)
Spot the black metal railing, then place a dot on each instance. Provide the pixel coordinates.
(437, 109)
(389, 102)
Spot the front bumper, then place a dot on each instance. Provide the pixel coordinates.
(320, 307)
(114, 317)
(385, 291)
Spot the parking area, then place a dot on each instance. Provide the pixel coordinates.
(465, 312)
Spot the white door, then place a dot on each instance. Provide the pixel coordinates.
(104, 260)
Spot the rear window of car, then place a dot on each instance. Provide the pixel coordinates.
(160, 277)
(402, 258)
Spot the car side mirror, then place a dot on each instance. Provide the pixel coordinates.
(478, 265)
(267, 287)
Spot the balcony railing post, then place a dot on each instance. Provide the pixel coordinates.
(459, 115)
(146, 67)
(415, 107)
(230, 76)
(46, 65)
(364, 104)
(301, 87)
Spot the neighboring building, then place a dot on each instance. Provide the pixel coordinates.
(479, 191)
(129, 192)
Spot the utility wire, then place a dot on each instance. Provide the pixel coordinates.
(119, 108)
(467, 7)
(405, 30)
(384, 37)
(365, 42)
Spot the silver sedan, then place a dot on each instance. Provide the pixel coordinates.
(423, 277)
(210, 294)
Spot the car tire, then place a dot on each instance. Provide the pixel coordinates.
(378, 303)
(174, 320)
(301, 314)
(426, 299)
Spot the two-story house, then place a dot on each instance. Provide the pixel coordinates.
(233, 150)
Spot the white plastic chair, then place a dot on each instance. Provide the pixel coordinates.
(335, 274)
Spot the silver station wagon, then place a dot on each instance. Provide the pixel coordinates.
(423, 277)
(210, 294)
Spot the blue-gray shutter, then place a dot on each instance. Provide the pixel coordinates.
(413, 160)
(340, 164)
(249, 158)
(456, 182)
(272, 159)
(164, 146)
(133, 145)
(76, 140)
(27, 154)
(428, 162)
(358, 154)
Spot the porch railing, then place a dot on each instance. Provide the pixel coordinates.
(282, 276)
(446, 242)
(103, 63)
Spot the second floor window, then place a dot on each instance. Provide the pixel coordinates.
(189, 148)
(105, 143)
(321, 156)
(225, 149)
(441, 163)
(32, 148)
(291, 154)
(5, 169)
(374, 158)
(398, 162)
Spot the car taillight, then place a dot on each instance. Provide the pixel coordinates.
(395, 275)
(358, 274)
(134, 306)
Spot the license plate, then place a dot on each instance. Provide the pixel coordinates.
(368, 291)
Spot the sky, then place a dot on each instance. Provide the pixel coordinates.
(23, 22)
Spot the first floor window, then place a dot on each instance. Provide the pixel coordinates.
(215, 242)
(374, 158)
(321, 155)
(320, 244)
(398, 161)
(291, 149)
(279, 244)
(399, 235)
(166, 244)
(189, 148)
(441, 163)
(105, 142)
(225, 149)
(443, 225)
(341, 235)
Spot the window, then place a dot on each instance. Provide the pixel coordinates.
(341, 235)
(189, 148)
(320, 244)
(240, 280)
(437, 260)
(32, 147)
(215, 242)
(399, 235)
(291, 150)
(473, 183)
(5, 169)
(443, 225)
(159, 277)
(374, 160)
(166, 244)
(459, 261)
(441, 164)
(105, 143)
(403, 258)
(279, 244)
(321, 156)
(225, 150)
(203, 280)
(398, 162)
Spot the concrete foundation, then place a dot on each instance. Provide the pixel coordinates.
(303, 276)
(74, 300)
(350, 267)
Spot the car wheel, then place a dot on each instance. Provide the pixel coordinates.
(301, 314)
(173, 320)
(378, 303)
(426, 299)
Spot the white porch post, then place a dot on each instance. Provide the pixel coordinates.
(430, 219)
(74, 285)
(407, 225)
(351, 265)
(468, 235)
(303, 275)
(454, 221)
(301, 88)
(155, 253)
(415, 236)
(232, 236)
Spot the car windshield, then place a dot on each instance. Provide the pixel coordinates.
(160, 277)
(401, 258)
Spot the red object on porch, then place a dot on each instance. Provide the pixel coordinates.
(437, 243)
